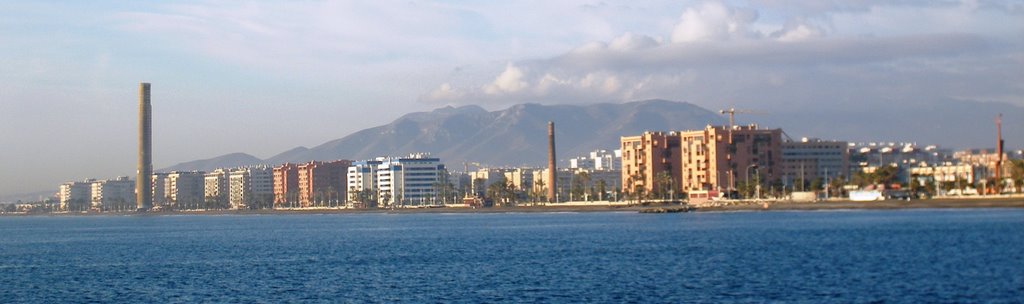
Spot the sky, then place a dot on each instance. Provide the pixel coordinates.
(262, 77)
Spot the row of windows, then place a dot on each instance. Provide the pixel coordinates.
(810, 153)
(420, 179)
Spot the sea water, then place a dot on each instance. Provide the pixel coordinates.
(962, 255)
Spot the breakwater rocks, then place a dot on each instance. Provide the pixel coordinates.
(668, 210)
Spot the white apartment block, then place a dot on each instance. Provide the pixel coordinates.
(185, 189)
(75, 196)
(361, 178)
(597, 160)
(159, 181)
(216, 186)
(520, 178)
(251, 187)
(411, 180)
(113, 194)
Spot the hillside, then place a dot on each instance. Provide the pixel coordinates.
(513, 136)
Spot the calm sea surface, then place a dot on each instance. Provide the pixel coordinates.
(825, 256)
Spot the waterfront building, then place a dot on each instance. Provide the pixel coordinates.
(584, 185)
(482, 178)
(811, 158)
(411, 180)
(185, 189)
(715, 158)
(216, 188)
(648, 156)
(158, 181)
(113, 194)
(542, 182)
(718, 158)
(604, 184)
(322, 183)
(75, 196)
(361, 177)
(251, 188)
(479, 180)
(951, 173)
(286, 185)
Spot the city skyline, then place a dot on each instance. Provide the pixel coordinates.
(263, 66)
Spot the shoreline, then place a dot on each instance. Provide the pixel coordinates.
(941, 203)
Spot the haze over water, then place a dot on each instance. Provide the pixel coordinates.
(969, 255)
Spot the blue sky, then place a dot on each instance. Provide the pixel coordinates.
(265, 76)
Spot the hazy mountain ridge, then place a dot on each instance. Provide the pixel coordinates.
(223, 161)
(517, 135)
(513, 136)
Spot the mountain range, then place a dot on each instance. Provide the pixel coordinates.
(513, 136)
(518, 135)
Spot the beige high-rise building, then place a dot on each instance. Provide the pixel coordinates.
(715, 158)
(648, 158)
(718, 158)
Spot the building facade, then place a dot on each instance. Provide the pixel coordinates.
(598, 160)
(286, 186)
(113, 194)
(718, 158)
(159, 181)
(185, 189)
(322, 183)
(810, 159)
(251, 188)
(409, 181)
(648, 157)
(362, 183)
(75, 196)
(216, 188)
(715, 158)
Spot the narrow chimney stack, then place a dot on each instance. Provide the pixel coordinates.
(552, 169)
(143, 183)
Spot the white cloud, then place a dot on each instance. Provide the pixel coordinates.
(510, 81)
(714, 21)
(632, 42)
(798, 32)
(719, 52)
(445, 92)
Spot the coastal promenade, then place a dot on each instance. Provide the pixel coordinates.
(1016, 201)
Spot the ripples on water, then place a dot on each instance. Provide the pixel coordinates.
(864, 256)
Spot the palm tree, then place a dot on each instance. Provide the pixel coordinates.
(539, 191)
(601, 185)
(663, 182)
(1017, 174)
